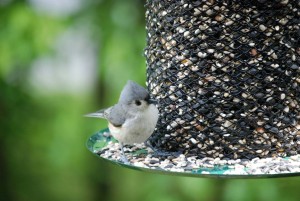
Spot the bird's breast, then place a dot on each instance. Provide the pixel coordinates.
(138, 128)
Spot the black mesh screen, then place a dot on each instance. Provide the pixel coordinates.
(226, 75)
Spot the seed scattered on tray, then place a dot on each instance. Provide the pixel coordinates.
(192, 164)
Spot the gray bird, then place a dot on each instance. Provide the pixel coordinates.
(133, 118)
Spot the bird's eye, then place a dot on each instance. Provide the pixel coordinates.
(138, 103)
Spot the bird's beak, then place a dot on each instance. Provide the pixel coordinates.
(95, 114)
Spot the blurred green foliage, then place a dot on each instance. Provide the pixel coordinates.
(42, 139)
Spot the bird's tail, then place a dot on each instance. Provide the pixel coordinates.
(98, 114)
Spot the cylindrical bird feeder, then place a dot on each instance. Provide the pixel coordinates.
(226, 75)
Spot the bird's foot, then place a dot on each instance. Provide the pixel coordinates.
(161, 153)
(124, 160)
(123, 157)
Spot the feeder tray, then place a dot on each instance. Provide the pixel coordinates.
(141, 158)
(226, 76)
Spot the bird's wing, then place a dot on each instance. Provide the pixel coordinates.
(117, 115)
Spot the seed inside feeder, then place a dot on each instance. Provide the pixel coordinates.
(230, 72)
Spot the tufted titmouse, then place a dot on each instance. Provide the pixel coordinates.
(133, 118)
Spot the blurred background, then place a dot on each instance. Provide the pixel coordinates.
(60, 59)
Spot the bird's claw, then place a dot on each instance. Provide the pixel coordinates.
(166, 154)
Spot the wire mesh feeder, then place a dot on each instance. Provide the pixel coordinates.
(226, 75)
